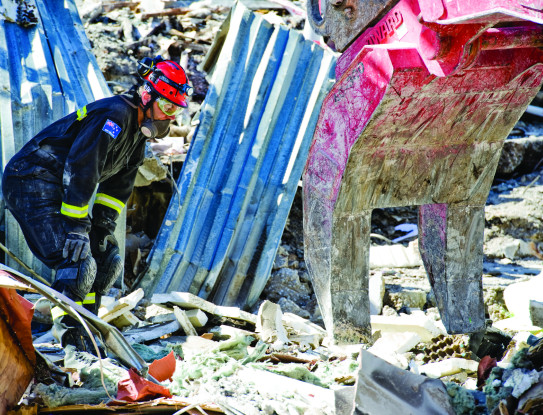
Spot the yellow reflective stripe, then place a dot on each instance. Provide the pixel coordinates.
(74, 211)
(109, 201)
(57, 312)
(81, 113)
(90, 298)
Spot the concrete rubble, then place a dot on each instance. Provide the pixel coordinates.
(276, 358)
(223, 360)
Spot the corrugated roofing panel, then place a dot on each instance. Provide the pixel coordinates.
(221, 233)
(46, 71)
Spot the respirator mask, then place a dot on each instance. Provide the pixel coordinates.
(151, 128)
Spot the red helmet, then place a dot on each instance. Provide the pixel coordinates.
(167, 79)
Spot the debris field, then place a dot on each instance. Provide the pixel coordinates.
(277, 358)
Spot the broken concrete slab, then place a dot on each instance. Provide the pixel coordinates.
(269, 324)
(376, 292)
(515, 324)
(382, 388)
(517, 296)
(391, 346)
(536, 312)
(395, 256)
(396, 342)
(508, 247)
(448, 367)
(344, 398)
(425, 327)
(158, 313)
(521, 380)
(521, 154)
(152, 170)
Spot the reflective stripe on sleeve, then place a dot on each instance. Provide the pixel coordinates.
(81, 113)
(109, 201)
(74, 211)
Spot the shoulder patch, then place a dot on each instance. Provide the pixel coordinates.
(111, 128)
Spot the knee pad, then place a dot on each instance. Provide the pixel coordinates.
(109, 269)
(76, 281)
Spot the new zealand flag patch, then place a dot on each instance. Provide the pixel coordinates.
(111, 128)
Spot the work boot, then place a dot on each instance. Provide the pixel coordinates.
(67, 330)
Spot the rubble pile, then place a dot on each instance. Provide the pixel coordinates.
(226, 360)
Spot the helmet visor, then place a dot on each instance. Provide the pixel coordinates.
(167, 107)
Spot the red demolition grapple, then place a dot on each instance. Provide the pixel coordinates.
(426, 93)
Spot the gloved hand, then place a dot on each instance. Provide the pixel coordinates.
(99, 237)
(77, 246)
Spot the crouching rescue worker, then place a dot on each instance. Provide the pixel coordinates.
(49, 183)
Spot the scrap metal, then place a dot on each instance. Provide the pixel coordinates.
(47, 70)
(222, 229)
(424, 98)
(111, 337)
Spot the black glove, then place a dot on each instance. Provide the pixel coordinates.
(77, 246)
(99, 238)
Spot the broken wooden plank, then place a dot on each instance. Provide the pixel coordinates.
(184, 300)
(235, 313)
(164, 13)
(117, 311)
(7, 282)
(197, 317)
(114, 5)
(123, 305)
(184, 321)
(127, 319)
(17, 355)
(189, 301)
(187, 37)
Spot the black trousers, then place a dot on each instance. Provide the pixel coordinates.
(32, 189)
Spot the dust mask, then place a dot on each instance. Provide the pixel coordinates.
(151, 128)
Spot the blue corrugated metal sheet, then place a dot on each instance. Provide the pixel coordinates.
(46, 71)
(221, 233)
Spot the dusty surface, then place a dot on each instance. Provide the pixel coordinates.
(513, 214)
(513, 227)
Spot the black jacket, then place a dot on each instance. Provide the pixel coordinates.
(98, 144)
